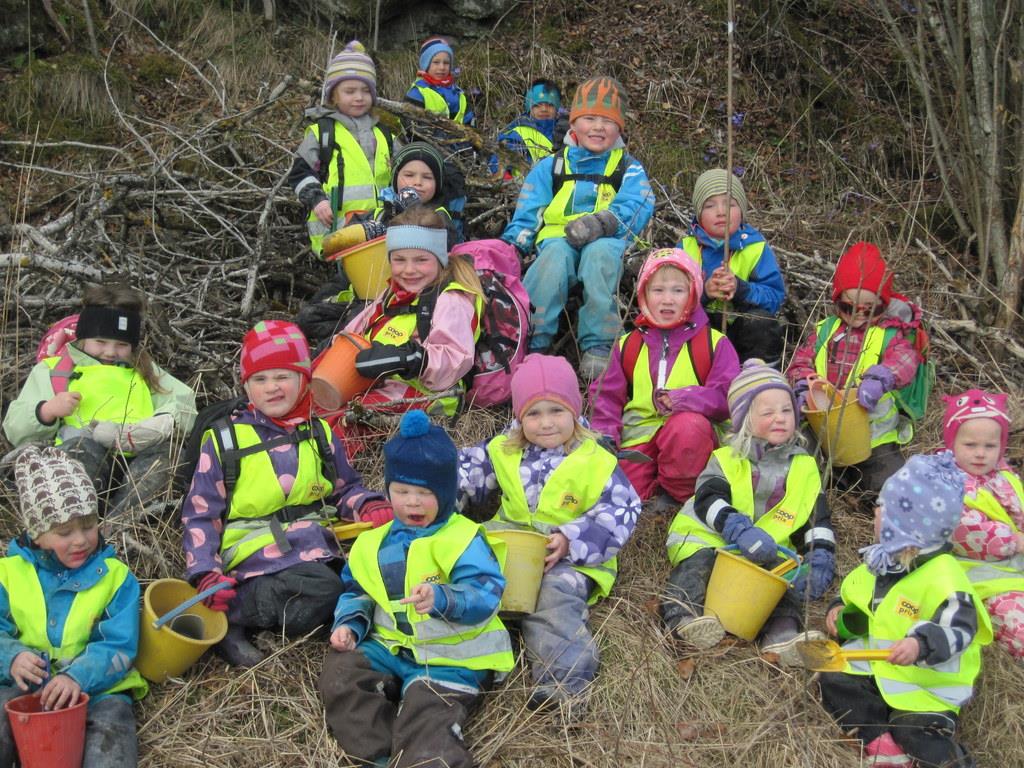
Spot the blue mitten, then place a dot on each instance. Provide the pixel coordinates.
(876, 381)
(818, 579)
(755, 544)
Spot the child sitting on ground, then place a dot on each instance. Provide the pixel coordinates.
(344, 159)
(533, 133)
(863, 346)
(416, 636)
(760, 492)
(438, 184)
(989, 540)
(106, 403)
(555, 478)
(581, 209)
(749, 287)
(416, 353)
(256, 513)
(667, 382)
(435, 89)
(913, 598)
(69, 611)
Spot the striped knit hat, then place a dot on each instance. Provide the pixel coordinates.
(275, 344)
(353, 63)
(713, 182)
(601, 97)
(433, 46)
(53, 488)
(754, 378)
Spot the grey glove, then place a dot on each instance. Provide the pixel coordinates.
(586, 229)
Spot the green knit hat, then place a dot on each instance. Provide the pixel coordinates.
(602, 97)
(713, 182)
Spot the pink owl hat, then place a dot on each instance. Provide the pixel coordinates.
(975, 404)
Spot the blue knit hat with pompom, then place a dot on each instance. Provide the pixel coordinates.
(422, 454)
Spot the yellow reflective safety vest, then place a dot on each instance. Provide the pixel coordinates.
(741, 263)
(400, 328)
(640, 416)
(572, 488)
(886, 425)
(995, 577)
(434, 102)
(115, 393)
(537, 144)
(688, 534)
(359, 185)
(430, 559)
(916, 597)
(30, 614)
(559, 211)
(252, 504)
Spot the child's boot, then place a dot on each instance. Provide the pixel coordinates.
(701, 632)
(781, 636)
(884, 752)
(236, 649)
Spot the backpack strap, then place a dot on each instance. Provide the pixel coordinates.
(559, 176)
(328, 145)
(326, 451)
(424, 310)
(826, 330)
(223, 431)
(630, 352)
(63, 373)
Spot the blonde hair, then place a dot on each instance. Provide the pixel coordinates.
(517, 438)
(120, 296)
(742, 440)
(907, 556)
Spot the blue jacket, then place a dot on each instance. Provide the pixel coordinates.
(765, 288)
(114, 641)
(514, 142)
(450, 93)
(633, 205)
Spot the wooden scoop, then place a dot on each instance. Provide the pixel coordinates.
(829, 656)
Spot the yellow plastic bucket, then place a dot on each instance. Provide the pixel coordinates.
(367, 268)
(524, 568)
(742, 595)
(840, 423)
(168, 649)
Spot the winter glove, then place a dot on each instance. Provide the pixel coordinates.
(800, 390)
(818, 579)
(133, 437)
(218, 601)
(586, 229)
(377, 512)
(876, 381)
(406, 360)
(311, 195)
(755, 544)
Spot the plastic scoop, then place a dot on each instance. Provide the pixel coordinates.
(346, 531)
(785, 567)
(829, 656)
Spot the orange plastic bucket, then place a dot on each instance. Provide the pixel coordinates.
(841, 424)
(335, 378)
(47, 739)
(366, 266)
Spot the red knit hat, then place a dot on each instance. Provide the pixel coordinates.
(862, 267)
(275, 344)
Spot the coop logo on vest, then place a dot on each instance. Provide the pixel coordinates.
(569, 502)
(907, 608)
(783, 517)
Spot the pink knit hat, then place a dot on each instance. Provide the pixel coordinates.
(275, 344)
(545, 377)
(974, 404)
(669, 257)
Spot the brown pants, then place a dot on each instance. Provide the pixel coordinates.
(371, 719)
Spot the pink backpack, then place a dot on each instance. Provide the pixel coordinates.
(504, 325)
(53, 344)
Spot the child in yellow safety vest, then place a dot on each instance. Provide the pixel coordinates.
(416, 636)
(424, 326)
(269, 480)
(435, 89)
(556, 479)
(344, 160)
(539, 131)
(912, 598)
(989, 541)
(104, 401)
(758, 493)
(863, 346)
(69, 612)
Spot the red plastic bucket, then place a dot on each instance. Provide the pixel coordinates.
(47, 739)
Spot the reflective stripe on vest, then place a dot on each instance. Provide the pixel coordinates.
(537, 144)
(114, 393)
(400, 329)
(30, 614)
(361, 184)
(437, 104)
(573, 487)
(247, 529)
(688, 534)
(741, 263)
(640, 417)
(434, 640)
(991, 578)
(559, 211)
(885, 418)
(914, 598)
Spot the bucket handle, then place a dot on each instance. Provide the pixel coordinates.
(174, 613)
(784, 550)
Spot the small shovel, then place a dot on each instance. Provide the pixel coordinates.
(628, 454)
(829, 656)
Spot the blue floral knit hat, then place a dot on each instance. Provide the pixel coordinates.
(921, 507)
